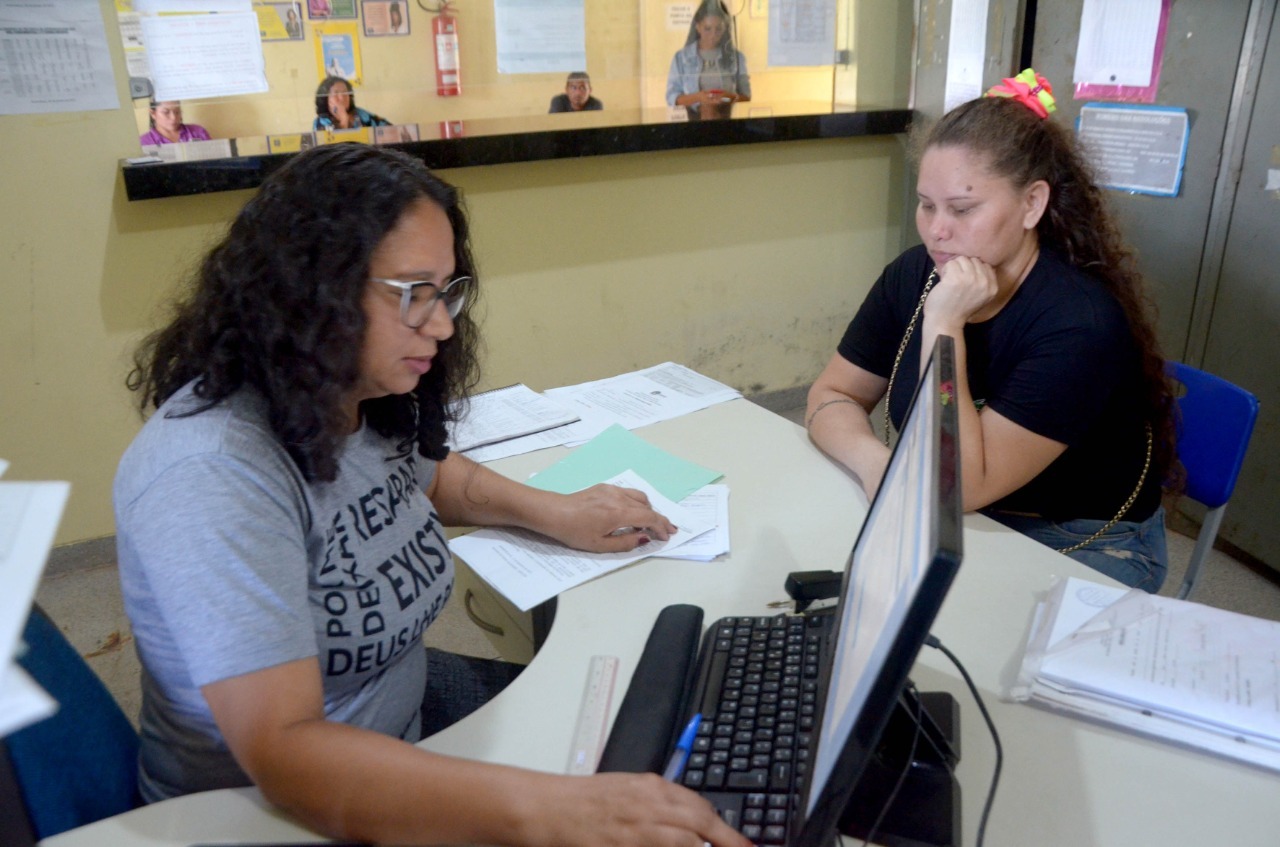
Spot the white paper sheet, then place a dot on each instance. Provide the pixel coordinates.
(632, 400)
(1172, 669)
(709, 503)
(22, 701)
(195, 56)
(802, 32)
(506, 413)
(528, 569)
(966, 52)
(29, 515)
(1117, 43)
(55, 58)
(647, 396)
(540, 36)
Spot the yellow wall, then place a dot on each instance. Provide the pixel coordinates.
(744, 263)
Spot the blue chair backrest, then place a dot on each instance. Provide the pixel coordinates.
(81, 764)
(1216, 421)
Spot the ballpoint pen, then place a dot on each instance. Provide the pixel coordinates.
(675, 765)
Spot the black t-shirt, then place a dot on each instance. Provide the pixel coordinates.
(1058, 359)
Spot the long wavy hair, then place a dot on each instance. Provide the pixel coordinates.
(715, 8)
(322, 95)
(276, 306)
(1023, 148)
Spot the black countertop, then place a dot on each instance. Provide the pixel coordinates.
(493, 143)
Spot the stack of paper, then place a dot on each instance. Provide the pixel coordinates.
(1168, 668)
(528, 569)
(631, 400)
(506, 413)
(29, 515)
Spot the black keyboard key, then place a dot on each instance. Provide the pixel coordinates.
(757, 779)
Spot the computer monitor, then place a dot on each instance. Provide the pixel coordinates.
(895, 579)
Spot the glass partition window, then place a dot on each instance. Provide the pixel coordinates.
(393, 71)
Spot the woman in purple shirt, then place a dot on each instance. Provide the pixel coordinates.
(167, 126)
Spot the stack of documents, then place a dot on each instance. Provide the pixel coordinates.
(1171, 669)
(29, 515)
(631, 400)
(505, 413)
(528, 569)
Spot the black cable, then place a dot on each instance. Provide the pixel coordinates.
(906, 767)
(933, 642)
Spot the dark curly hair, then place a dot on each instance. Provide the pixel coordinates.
(1024, 148)
(277, 306)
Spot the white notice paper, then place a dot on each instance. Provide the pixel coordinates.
(528, 568)
(1117, 42)
(802, 32)
(195, 56)
(539, 36)
(55, 58)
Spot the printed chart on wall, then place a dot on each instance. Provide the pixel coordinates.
(55, 58)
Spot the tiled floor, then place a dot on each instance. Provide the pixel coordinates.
(86, 604)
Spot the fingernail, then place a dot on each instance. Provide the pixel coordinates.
(644, 539)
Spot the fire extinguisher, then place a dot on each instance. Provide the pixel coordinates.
(444, 26)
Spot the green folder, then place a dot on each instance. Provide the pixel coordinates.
(618, 449)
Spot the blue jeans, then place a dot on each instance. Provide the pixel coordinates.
(1129, 552)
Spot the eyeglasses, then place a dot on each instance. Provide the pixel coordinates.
(418, 298)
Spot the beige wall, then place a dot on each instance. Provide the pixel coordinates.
(744, 263)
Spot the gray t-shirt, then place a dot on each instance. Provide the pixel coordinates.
(230, 563)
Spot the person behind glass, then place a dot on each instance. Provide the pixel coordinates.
(280, 527)
(709, 73)
(1065, 414)
(336, 107)
(167, 126)
(577, 96)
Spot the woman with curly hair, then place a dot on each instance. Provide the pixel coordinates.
(336, 107)
(1066, 416)
(280, 523)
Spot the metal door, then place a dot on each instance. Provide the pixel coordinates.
(1243, 317)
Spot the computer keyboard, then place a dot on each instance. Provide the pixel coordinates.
(759, 701)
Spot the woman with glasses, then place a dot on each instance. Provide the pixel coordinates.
(280, 522)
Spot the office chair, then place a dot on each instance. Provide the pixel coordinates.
(81, 764)
(1215, 423)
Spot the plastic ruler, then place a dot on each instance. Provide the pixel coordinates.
(593, 715)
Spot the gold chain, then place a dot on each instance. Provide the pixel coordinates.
(897, 360)
(1142, 478)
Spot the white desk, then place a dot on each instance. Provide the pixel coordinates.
(1065, 782)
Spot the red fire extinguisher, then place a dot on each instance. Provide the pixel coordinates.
(444, 26)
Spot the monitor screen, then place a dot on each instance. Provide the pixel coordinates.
(897, 574)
